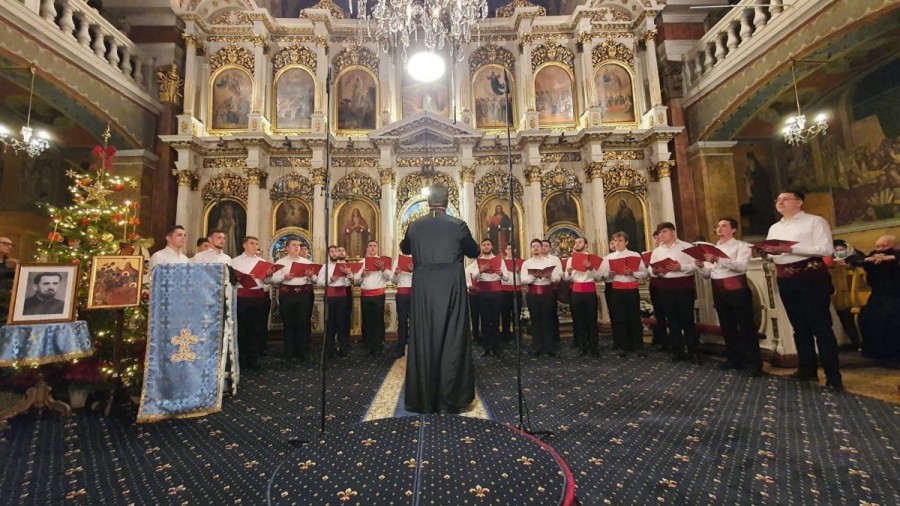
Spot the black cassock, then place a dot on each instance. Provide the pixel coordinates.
(439, 372)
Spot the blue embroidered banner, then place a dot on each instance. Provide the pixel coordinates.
(185, 362)
(45, 343)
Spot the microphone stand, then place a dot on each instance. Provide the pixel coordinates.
(517, 317)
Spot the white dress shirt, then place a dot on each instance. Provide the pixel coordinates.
(244, 263)
(586, 276)
(278, 277)
(375, 280)
(541, 263)
(489, 276)
(211, 256)
(688, 265)
(167, 255)
(403, 279)
(812, 233)
(607, 274)
(342, 281)
(508, 281)
(736, 264)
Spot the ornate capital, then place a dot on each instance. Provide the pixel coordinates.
(255, 176)
(190, 40)
(649, 36)
(664, 168)
(595, 169)
(186, 178)
(169, 84)
(532, 174)
(387, 175)
(318, 176)
(467, 173)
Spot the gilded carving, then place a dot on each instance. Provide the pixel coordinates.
(290, 186)
(318, 176)
(225, 163)
(232, 55)
(612, 50)
(354, 162)
(509, 9)
(357, 184)
(435, 161)
(533, 174)
(499, 160)
(186, 178)
(336, 12)
(560, 179)
(548, 158)
(292, 161)
(295, 55)
(232, 18)
(623, 155)
(491, 53)
(664, 168)
(553, 52)
(355, 55)
(595, 170)
(387, 175)
(169, 85)
(467, 174)
(227, 184)
(256, 176)
(491, 184)
(411, 187)
(607, 15)
(621, 176)
(190, 40)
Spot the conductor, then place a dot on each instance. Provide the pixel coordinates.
(439, 373)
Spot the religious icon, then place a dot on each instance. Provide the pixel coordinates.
(561, 207)
(497, 224)
(357, 226)
(295, 93)
(232, 91)
(614, 93)
(430, 97)
(625, 213)
(292, 214)
(553, 96)
(230, 217)
(115, 282)
(357, 100)
(489, 95)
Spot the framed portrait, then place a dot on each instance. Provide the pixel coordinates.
(431, 97)
(232, 92)
(554, 95)
(489, 98)
(626, 212)
(43, 293)
(496, 221)
(291, 213)
(356, 223)
(614, 93)
(295, 97)
(115, 282)
(229, 216)
(356, 100)
(562, 207)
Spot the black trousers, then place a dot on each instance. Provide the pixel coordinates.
(338, 325)
(296, 314)
(555, 332)
(543, 316)
(625, 316)
(584, 320)
(660, 329)
(372, 309)
(507, 316)
(252, 326)
(807, 301)
(489, 304)
(735, 310)
(404, 303)
(678, 305)
(475, 316)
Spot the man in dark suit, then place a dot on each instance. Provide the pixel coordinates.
(44, 301)
(439, 374)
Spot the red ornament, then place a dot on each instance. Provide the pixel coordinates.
(117, 216)
(135, 221)
(75, 261)
(84, 181)
(55, 237)
(84, 221)
(118, 187)
(136, 206)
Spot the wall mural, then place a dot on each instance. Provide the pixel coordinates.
(229, 216)
(232, 91)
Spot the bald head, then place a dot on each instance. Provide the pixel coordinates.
(886, 243)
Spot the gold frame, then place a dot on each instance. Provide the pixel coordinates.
(288, 231)
(578, 210)
(71, 293)
(645, 208)
(274, 107)
(214, 203)
(209, 101)
(95, 266)
(336, 95)
(519, 224)
(277, 205)
(335, 226)
(575, 105)
(514, 127)
(634, 93)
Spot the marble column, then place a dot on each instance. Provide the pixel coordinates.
(534, 220)
(598, 208)
(527, 115)
(388, 210)
(653, 69)
(259, 74)
(666, 197)
(319, 218)
(186, 182)
(190, 74)
(254, 176)
(467, 197)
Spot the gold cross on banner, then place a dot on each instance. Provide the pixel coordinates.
(184, 342)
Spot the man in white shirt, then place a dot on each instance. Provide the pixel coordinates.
(677, 293)
(541, 304)
(545, 251)
(660, 329)
(624, 298)
(337, 324)
(805, 286)
(371, 300)
(215, 253)
(583, 300)
(512, 292)
(252, 306)
(172, 253)
(733, 300)
(490, 298)
(295, 301)
(403, 281)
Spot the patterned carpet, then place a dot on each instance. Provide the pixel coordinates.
(633, 431)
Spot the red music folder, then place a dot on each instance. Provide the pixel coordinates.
(546, 272)
(405, 263)
(262, 267)
(299, 269)
(579, 258)
(245, 280)
(370, 263)
(666, 265)
(618, 265)
(768, 244)
(493, 264)
(699, 252)
(354, 268)
(514, 268)
(645, 256)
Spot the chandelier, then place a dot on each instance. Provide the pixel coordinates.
(795, 131)
(441, 21)
(32, 143)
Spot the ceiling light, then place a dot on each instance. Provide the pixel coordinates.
(426, 67)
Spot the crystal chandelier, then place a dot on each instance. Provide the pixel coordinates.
(441, 21)
(33, 143)
(795, 131)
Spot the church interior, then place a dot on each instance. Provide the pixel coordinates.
(325, 123)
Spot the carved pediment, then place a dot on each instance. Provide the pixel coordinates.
(425, 128)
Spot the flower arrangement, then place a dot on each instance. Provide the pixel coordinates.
(88, 373)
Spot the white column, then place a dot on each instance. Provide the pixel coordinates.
(319, 218)
(259, 74)
(468, 212)
(388, 210)
(190, 74)
(182, 203)
(653, 70)
(665, 188)
(534, 219)
(585, 63)
(598, 208)
(253, 179)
